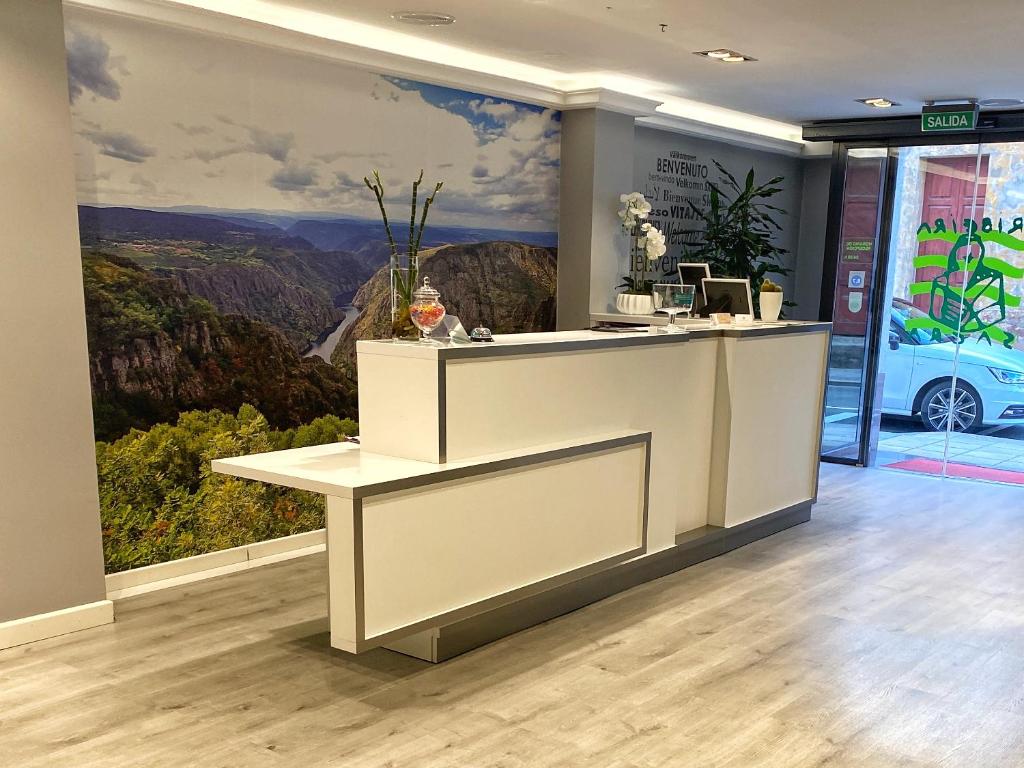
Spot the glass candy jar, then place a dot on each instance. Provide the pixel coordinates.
(426, 310)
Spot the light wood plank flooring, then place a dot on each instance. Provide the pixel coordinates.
(888, 631)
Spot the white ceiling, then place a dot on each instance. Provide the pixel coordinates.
(815, 57)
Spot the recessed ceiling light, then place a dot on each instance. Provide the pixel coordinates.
(423, 18)
(879, 102)
(724, 54)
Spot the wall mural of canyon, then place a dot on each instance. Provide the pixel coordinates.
(232, 256)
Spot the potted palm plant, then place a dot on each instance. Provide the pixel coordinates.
(737, 239)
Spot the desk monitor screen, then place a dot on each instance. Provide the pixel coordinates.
(728, 295)
(694, 274)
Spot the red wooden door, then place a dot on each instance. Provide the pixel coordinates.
(950, 194)
(861, 199)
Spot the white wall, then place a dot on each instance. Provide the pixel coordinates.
(50, 551)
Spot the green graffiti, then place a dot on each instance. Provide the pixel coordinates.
(1004, 239)
(940, 260)
(977, 307)
(969, 297)
(988, 291)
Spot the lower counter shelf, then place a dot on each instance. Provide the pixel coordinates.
(422, 548)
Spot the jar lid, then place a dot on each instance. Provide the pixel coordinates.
(425, 291)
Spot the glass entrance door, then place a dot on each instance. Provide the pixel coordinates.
(937, 355)
(958, 258)
(858, 263)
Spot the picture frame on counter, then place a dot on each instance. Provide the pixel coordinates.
(728, 294)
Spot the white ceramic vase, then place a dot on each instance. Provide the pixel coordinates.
(771, 306)
(634, 304)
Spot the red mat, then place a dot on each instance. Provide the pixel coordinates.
(934, 467)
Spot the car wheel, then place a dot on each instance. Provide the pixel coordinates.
(966, 411)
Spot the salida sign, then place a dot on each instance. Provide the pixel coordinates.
(949, 117)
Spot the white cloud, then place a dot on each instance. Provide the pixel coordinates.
(296, 133)
(89, 65)
(294, 178)
(122, 146)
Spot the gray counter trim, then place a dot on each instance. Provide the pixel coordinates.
(500, 465)
(442, 412)
(747, 333)
(358, 565)
(641, 339)
(614, 341)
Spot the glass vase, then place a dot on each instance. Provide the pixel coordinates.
(402, 279)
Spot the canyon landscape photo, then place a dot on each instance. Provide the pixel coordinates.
(233, 256)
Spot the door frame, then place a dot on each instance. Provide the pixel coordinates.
(867, 406)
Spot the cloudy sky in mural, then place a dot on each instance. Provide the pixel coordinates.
(165, 119)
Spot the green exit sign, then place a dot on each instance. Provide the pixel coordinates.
(949, 117)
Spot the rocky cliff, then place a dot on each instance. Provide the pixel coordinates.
(259, 271)
(156, 351)
(507, 286)
(300, 294)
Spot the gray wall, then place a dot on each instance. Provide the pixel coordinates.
(50, 552)
(811, 250)
(596, 167)
(652, 144)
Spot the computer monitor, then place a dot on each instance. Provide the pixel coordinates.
(694, 274)
(728, 295)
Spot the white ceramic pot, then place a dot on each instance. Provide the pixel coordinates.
(771, 306)
(633, 304)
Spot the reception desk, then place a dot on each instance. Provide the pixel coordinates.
(499, 485)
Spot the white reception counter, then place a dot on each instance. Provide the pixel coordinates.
(498, 485)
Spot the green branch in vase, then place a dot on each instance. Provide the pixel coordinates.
(377, 187)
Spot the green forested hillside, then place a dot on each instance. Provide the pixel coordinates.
(159, 500)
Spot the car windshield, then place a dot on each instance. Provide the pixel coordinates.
(902, 312)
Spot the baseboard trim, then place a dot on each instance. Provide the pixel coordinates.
(43, 626)
(187, 570)
(691, 548)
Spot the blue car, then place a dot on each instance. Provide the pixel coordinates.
(919, 376)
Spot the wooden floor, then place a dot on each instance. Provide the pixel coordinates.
(888, 631)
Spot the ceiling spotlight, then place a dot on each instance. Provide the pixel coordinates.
(879, 102)
(724, 54)
(423, 18)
